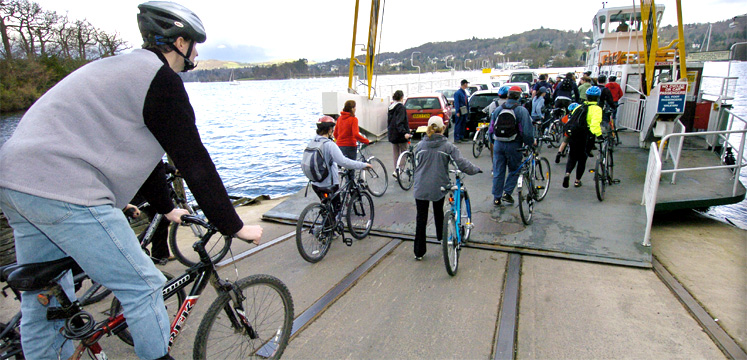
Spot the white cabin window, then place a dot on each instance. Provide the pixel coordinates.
(602, 23)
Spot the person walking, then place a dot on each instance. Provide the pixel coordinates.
(398, 129)
(582, 139)
(511, 128)
(462, 112)
(347, 134)
(585, 85)
(79, 155)
(606, 101)
(431, 175)
(566, 138)
(617, 94)
(538, 104)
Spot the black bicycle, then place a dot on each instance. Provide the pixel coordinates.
(374, 179)
(533, 182)
(251, 317)
(481, 140)
(320, 222)
(406, 170)
(605, 165)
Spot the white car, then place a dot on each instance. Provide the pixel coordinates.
(524, 86)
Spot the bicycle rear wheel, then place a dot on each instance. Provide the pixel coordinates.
(554, 134)
(375, 178)
(313, 233)
(90, 291)
(449, 244)
(258, 327)
(478, 144)
(181, 239)
(172, 308)
(406, 174)
(360, 214)
(610, 166)
(541, 177)
(526, 201)
(600, 179)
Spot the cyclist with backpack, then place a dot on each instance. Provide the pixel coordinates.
(511, 127)
(566, 91)
(582, 127)
(321, 159)
(566, 138)
(606, 100)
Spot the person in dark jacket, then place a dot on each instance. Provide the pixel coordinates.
(431, 174)
(461, 99)
(566, 89)
(606, 100)
(398, 129)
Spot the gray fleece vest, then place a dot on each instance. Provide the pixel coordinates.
(85, 141)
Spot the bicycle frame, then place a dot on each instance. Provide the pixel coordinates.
(455, 199)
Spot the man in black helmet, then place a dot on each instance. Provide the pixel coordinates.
(79, 155)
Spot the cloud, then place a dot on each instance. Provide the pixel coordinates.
(239, 53)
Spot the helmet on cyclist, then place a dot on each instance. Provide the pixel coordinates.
(572, 107)
(593, 91)
(163, 22)
(515, 88)
(325, 123)
(503, 90)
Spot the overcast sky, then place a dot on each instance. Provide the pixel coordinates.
(251, 31)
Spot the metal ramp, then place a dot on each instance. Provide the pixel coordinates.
(569, 223)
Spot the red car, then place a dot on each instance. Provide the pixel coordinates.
(421, 107)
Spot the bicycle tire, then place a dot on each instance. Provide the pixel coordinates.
(92, 293)
(406, 175)
(526, 202)
(312, 240)
(360, 214)
(478, 144)
(556, 133)
(11, 343)
(221, 317)
(542, 175)
(466, 219)
(449, 244)
(610, 166)
(600, 180)
(172, 307)
(375, 178)
(181, 239)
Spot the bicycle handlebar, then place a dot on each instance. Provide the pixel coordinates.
(193, 219)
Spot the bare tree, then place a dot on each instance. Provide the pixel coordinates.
(28, 17)
(63, 36)
(84, 37)
(110, 44)
(5, 12)
(45, 31)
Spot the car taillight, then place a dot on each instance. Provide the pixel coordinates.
(441, 115)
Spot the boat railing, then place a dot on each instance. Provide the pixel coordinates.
(414, 87)
(726, 87)
(630, 113)
(733, 137)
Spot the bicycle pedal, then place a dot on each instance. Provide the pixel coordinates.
(469, 226)
(347, 241)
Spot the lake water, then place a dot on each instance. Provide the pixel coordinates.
(256, 131)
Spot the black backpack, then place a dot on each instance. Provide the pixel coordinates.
(566, 85)
(312, 163)
(506, 127)
(577, 121)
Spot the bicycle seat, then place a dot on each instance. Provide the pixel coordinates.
(6, 270)
(37, 276)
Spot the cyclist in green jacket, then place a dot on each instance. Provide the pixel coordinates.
(582, 141)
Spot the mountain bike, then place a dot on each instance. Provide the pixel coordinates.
(242, 311)
(533, 183)
(319, 222)
(406, 174)
(457, 220)
(605, 165)
(374, 178)
(481, 140)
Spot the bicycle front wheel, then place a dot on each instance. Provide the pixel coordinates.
(600, 179)
(314, 233)
(541, 177)
(256, 328)
(375, 178)
(526, 201)
(172, 308)
(181, 239)
(449, 244)
(90, 292)
(465, 218)
(478, 144)
(360, 214)
(406, 174)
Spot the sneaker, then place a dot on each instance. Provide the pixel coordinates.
(418, 258)
(496, 202)
(508, 199)
(577, 183)
(394, 175)
(557, 158)
(566, 179)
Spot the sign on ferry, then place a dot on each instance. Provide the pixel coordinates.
(672, 98)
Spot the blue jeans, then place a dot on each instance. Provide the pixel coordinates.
(99, 238)
(505, 154)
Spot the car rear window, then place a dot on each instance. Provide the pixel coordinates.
(527, 78)
(428, 103)
(481, 100)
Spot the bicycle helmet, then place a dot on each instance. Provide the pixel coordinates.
(163, 22)
(593, 91)
(515, 88)
(572, 107)
(503, 91)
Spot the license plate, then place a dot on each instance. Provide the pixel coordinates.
(421, 116)
(479, 125)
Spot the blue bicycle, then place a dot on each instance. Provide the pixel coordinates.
(457, 220)
(533, 182)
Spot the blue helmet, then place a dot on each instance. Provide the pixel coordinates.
(594, 91)
(572, 107)
(503, 90)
